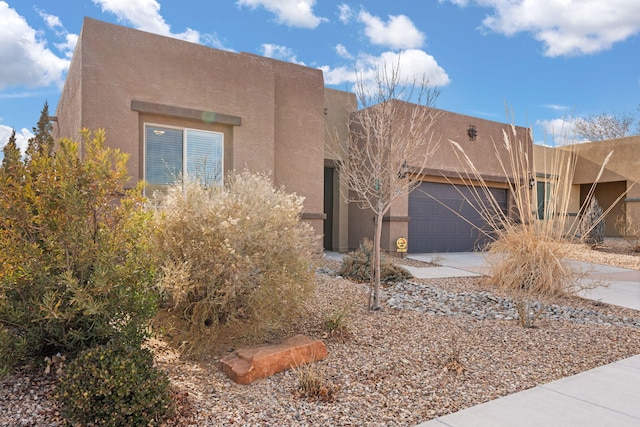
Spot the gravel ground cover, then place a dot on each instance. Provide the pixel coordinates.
(438, 346)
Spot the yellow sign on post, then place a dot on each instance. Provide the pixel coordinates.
(401, 244)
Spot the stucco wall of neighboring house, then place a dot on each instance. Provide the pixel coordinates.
(620, 176)
(69, 110)
(270, 111)
(486, 152)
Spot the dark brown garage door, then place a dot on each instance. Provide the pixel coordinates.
(433, 227)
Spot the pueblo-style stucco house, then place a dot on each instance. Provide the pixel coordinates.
(182, 108)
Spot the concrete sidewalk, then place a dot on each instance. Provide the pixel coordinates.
(605, 396)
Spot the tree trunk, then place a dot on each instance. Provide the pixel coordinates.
(375, 263)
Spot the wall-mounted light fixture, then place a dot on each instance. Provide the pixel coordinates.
(472, 132)
(532, 181)
(404, 169)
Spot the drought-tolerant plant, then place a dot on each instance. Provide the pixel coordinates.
(630, 231)
(114, 385)
(356, 266)
(528, 255)
(235, 255)
(336, 323)
(390, 140)
(74, 249)
(313, 384)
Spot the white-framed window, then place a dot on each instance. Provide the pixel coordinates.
(172, 153)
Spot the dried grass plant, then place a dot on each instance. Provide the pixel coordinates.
(234, 256)
(528, 255)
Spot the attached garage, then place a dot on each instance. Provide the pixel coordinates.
(435, 218)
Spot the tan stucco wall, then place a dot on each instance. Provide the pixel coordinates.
(486, 153)
(280, 105)
(338, 105)
(69, 110)
(617, 188)
(621, 173)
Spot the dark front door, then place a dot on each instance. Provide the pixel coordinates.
(328, 208)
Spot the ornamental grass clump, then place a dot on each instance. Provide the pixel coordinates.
(235, 255)
(527, 251)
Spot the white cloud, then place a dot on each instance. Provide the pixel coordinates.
(294, 13)
(343, 52)
(68, 46)
(52, 21)
(339, 75)
(461, 3)
(26, 60)
(413, 64)
(556, 107)
(559, 131)
(282, 53)
(145, 15)
(22, 137)
(397, 33)
(345, 13)
(565, 27)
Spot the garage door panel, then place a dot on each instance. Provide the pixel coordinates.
(436, 225)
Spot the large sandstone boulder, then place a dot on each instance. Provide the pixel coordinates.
(249, 364)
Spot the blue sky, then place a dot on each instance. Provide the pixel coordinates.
(548, 61)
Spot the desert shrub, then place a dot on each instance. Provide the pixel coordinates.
(531, 263)
(629, 229)
(591, 225)
(528, 255)
(74, 249)
(237, 254)
(313, 384)
(356, 266)
(114, 385)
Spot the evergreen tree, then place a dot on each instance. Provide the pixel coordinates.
(42, 141)
(11, 153)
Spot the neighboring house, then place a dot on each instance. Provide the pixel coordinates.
(617, 189)
(182, 108)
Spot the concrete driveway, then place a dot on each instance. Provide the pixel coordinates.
(618, 286)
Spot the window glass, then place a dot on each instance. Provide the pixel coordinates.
(204, 156)
(164, 157)
(171, 152)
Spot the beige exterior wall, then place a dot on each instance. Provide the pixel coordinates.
(619, 186)
(486, 152)
(271, 112)
(616, 190)
(338, 106)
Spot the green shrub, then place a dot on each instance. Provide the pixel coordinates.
(114, 385)
(235, 255)
(76, 263)
(356, 266)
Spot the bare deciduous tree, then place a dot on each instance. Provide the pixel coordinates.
(390, 141)
(601, 127)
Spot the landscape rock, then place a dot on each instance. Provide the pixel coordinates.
(246, 365)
